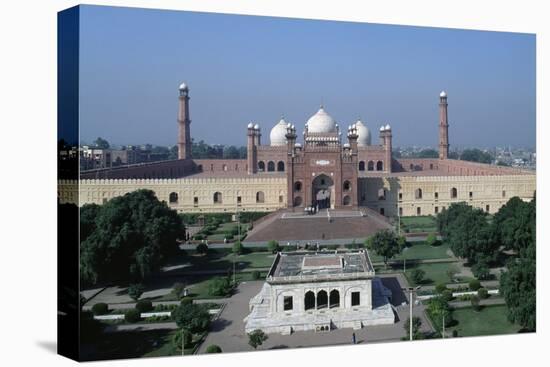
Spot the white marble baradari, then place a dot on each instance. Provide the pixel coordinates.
(320, 292)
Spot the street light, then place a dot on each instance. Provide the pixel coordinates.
(412, 291)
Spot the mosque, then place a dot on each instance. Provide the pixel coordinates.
(324, 165)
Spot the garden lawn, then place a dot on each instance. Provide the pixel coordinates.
(435, 273)
(223, 260)
(417, 251)
(419, 224)
(491, 320)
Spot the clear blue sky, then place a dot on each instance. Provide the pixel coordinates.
(245, 68)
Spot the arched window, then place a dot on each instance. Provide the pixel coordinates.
(261, 166)
(224, 167)
(270, 166)
(334, 298)
(309, 301)
(173, 198)
(454, 193)
(382, 194)
(418, 211)
(322, 300)
(418, 194)
(199, 168)
(381, 211)
(281, 166)
(347, 200)
(260, 197)
(347, 185)
(379, 166)
(298, 201)
(297, 186)
(411, 167)
(217, 198)
(362, 166)
(370, 166)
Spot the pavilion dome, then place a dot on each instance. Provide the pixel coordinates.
(363, 132)
(277, 136)
(321, 122)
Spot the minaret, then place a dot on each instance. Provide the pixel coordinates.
(184, 131)
(387, 147)
(352, 138)
(443, 127)
(251, 151)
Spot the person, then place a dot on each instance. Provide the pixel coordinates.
(353, 341)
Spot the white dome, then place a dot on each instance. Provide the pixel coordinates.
(443, 94)
(382, 128)
(183, 86)
(277, 135)
(321, 122)
(363, 133)
(250, 125)
(388, 127)
(257, 127)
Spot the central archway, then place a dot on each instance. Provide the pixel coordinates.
(322, 192)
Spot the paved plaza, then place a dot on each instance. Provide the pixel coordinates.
(228, 330)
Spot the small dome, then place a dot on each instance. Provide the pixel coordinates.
(388, 127)
(277, 136)
(382, 128)
(257, 127)
(321, 122)
(183, 86)
(443, 94)
(250, 125)
(364, 137)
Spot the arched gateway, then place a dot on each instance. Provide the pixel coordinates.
(322, 192)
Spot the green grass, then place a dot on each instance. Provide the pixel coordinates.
(419, 224)
(417, 251)
(491, 320)
(223, 260)
(434, 273)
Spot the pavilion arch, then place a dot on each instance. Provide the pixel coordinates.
(361, 165)
(280, 166)
(270, 166)
(298, 201)
(322, 299)
(298, 186)
(261, 166)
(309, 301)
(217, 197)
(347, 185)
(379, 166)
(370, 166)
(173, 198)
(347, 200)
(418, 193)
(334, 299)
(454, 193)
(260, 197)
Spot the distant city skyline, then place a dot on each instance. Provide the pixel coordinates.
(243, 69)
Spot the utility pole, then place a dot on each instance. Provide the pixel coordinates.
(443, 333)
(412, 291)
(182, 341)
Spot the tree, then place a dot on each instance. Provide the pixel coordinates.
(88, 215)
(230, 152)
(219, 286)
(432, 240)
(438, 309)
(130, 238)
(417, 275)
(476, 155)
(187, 339)
(238, 248)
(135, 290)
(101, 143)
(100, 308)
(144, 305)
(416, 324)
(256, 338)
(132, 316)
(514, 224)
(384, 243)
(192, 317)
(482, 293)
(474, 299)
(517, 286)
(481, 270)
(440, 287)
(202, 249)
(213, 348)
(474, 284)
(428, 153)
(447, 295)
(273, 246)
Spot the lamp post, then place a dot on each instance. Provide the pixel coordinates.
(412, 291)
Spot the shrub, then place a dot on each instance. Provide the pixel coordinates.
(100, 308)
(194, 318)
(135, 291)
(213, 349)
(188, 339)
(238, 248)
(186, 301)
(256, 338)
(144, 305)
(482, 293)
(273, 246)
(255, 275)
(219, 286)
(132, 316)
(417, 275)
(202, 249)
(440, 288)
(447, 295)
(432, 240)
(474, 284)
(474, 300)
(481, 271)
(198, 237)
